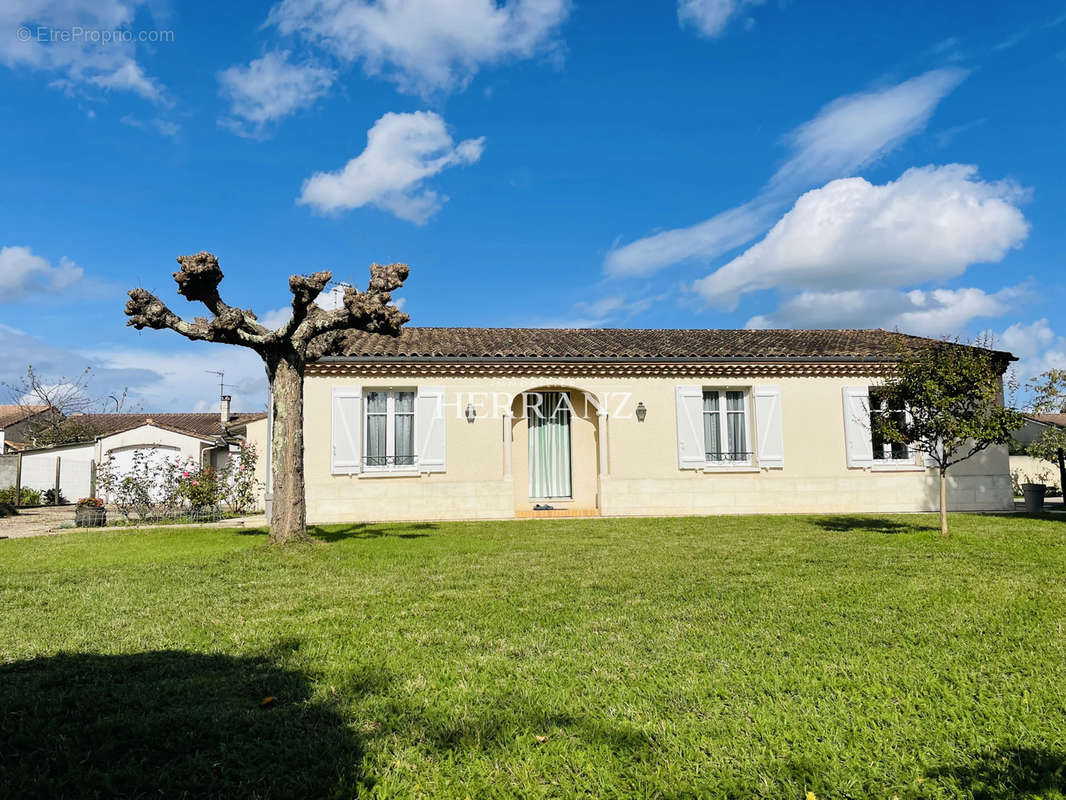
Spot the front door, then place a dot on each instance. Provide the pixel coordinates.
(549, 447)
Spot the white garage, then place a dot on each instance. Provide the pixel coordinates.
(123, 439)
(123, 460)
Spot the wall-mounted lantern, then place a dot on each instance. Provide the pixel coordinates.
(642, 412)
(471, 412)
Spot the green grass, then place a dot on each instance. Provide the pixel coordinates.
(857, 657)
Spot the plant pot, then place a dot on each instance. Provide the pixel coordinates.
(90, 517)
(1033, 494)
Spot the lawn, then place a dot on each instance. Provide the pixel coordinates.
(857, 657)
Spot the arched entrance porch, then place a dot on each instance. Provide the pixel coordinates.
(557, 451)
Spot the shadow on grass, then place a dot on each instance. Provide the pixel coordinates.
(1008, 772)
(168, 724)
(354, 530)
(362, 530)
(1045, 516)
(857, 522)
(506, 723)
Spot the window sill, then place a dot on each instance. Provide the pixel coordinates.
(909, 466)
(731, 468)
(390, 473)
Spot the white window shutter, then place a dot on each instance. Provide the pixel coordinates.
(691, 451)
(346, 429)
(430, 424)
(769, 430)
(857, 434)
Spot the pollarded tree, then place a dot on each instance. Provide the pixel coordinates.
(953, 397)
(285, 352)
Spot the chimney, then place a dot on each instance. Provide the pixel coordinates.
(223, 404)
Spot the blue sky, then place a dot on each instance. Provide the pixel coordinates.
(710, 163)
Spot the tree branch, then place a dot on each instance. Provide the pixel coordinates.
(198, 279)
(370, 311)
(305, 290)
(145, 310)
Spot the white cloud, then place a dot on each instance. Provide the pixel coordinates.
(424, 47)
(937, 312)
(931, 223)
(846, 135)
(130, 77)
(269, 88)
(1038, 347)
(609, 310)
(160, 126)
(157, 379)
(180, 380)
(854, 131)
(710, 17)
(1027, 340)
(402, 151)
(81, 60)
(23, 273)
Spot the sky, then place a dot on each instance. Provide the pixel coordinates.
(704, 163)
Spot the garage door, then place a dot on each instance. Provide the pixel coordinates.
(122, 459)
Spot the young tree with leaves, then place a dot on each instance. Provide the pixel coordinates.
(1049, 397)
(285, 352)
(953, 396)
(1051, 446)
(1049, 392)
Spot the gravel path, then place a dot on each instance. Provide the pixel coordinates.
(48, 520)
(37, 522)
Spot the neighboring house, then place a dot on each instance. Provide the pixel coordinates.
(463, 423)
(1027, 469)
(206, 438)
(15, 424)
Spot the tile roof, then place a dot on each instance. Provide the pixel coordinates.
(13, 414)
(621, 344)
(1051, 419)
(204, 425)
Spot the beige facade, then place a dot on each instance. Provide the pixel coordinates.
(620, 465)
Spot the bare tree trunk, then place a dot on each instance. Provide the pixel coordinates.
(288, 518)
(943, 503)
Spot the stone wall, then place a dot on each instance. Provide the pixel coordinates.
(7, 469)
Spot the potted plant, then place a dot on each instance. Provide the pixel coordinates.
(90, 513)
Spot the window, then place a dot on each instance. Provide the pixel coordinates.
(884, 451)
(725, 426)
(390, 429)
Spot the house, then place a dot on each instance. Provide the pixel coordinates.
(1027, 469)
(206, 438)
(467, 423)
(15, 424)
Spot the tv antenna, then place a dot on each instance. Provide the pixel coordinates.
(221, 378)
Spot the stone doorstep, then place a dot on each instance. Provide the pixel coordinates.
(529, 513)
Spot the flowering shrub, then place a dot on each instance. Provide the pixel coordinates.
(199, 485)
(90, 502)
(149, 488)
(238, 486)
(158, 487)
